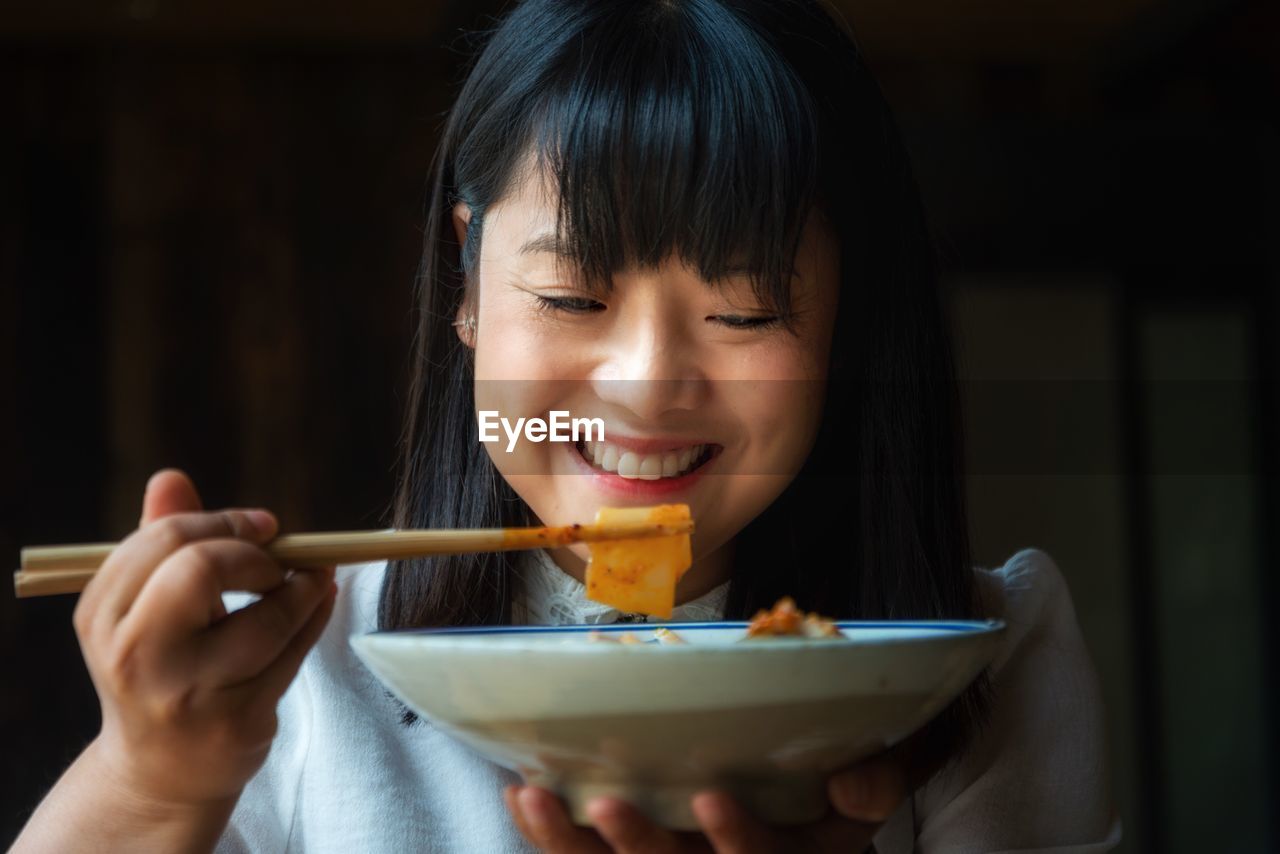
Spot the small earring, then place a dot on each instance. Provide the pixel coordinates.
(468, 323)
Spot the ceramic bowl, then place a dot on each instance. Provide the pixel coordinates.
(653, 723)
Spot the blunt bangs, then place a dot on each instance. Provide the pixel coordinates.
(677, 130)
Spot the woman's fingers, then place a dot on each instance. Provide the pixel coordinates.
(543, 821)
(246, 642)
(127, 569)
(869, 791)
(275, 678)
(727, 827)
(169, 491)
(730, 828)
(628, 831)
(510, 797)
(181, 594)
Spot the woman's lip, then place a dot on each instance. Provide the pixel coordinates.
(635, 487)
(650, 446)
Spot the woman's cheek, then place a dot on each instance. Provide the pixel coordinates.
(514, 354)
(781, 418)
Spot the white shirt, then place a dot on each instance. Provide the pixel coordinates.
(344, 775)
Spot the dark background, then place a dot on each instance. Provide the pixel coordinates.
(209, 225)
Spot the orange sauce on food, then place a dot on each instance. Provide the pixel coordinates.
(786, 620)
(639, 575)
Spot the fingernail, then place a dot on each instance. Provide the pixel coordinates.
(602, 811)
(709, 811)
(262, 520)
(852, 792)
(528, 802)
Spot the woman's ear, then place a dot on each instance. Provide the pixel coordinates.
(465, 321)
(461, 219)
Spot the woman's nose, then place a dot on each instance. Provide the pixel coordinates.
(650, 369)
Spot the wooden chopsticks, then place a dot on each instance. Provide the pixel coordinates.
(48, 570)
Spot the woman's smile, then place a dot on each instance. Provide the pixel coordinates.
(629, 466)
(625, 458)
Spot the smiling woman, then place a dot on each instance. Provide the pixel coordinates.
(692, 222)
(695, 222)
(635, 233)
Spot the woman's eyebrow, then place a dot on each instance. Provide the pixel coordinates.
(546, 242)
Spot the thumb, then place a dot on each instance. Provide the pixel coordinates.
(169, 491)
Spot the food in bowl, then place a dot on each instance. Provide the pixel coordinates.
(660, 635)
(784, 619)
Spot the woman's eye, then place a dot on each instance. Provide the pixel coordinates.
(738, 321)
(572, 305)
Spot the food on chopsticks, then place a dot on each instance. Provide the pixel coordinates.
(784, 619)
(47, 570)
(639, 576)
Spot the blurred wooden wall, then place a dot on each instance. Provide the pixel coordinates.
(207, 259)
(263, 245)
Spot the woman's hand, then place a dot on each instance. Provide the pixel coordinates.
(189, 692)
(862, 798)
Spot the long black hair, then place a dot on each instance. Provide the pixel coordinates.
(710, 129)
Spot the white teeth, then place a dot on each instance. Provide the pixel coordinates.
(651, 466)
(632, 465)
(629, 465)
(670, 464)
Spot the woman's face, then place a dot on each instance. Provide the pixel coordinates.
(703, 399)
